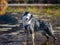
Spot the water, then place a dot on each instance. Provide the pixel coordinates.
(20, 40)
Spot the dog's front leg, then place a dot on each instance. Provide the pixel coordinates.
(33, 37)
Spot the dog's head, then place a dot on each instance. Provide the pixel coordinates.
(28, 16)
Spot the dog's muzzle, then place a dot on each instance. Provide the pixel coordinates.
(26, 19)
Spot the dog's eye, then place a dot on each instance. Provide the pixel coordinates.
(26, 18)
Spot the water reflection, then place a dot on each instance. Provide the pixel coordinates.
(48, 43)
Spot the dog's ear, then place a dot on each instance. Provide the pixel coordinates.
(31, 15)
(26, 13)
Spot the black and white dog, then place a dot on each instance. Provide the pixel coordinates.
(31, 24)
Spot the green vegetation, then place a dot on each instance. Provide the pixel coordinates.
(35, 10)
(54, 11)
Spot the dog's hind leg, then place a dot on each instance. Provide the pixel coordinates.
(50, 33)
(50, 30)
(43, 33)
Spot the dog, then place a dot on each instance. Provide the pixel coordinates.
(33, 25)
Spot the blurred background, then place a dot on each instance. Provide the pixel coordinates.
(11, 12)
(35, 1)
(47, 10)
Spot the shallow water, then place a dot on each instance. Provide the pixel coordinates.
(21, 40)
